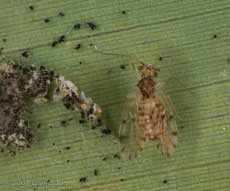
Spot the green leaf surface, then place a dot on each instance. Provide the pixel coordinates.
(188, 40)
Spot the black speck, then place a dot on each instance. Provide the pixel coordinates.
(1, 49)
(80, 62)
(61, 39)
(99, 122)
(61, 14)
(39, 125)
(46, 20)
(70, 119)
(48, 181)
(54, 43)
(4, 40)
(83, 179)
(160, 58)
(104, 159)
(228, 60)
(123, 12)
(93, 127)
(91, 25)
(116, 156)
(1, 150)
(181, 127)
(31, 7)
(12, 153)
(95, 172)
(67, 148)
(67, 161)
(25, 54)
(67, 105)
(122, 179)
(51, 126)
(122, 66)
(26, 123)
(53, 144)
(174, 133)
(78, 46)
(165, 181)
(81, 121)
(63, 122)
(77, 26)
(215, 36)
(42, 67)
(91, 44)
(106, 131)
(51, 73)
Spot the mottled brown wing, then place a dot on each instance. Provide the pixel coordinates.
(128, 133)
(167, 139)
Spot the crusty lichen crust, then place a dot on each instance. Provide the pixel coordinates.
(21, 85)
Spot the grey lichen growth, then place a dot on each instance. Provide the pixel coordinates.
(22, 85)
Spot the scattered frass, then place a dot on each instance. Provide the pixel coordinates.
(67, 148)
(106, 131)
(46, 20)
(31, 7)
(83, 179)
(63, 122)
(39, 125)
(122, 66)
(61, 14)
(77, 26)
(91, 25)
(78, 46)
(165, 181)
(61, 39)
(95, 172)
(25, 54)
(54, 43)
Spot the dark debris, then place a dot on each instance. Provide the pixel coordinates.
(122, 66)
(46, 20)
(61, 14)
(77, 26)
(95, 172)
(31, 7)
(67, 148)
(92, 25)
(106, 131)
(78, 46)
(165, 181)
(25, 54)
(83, 179)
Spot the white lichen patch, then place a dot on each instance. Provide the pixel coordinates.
(18, 84)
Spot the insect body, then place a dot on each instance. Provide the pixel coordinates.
(148, 115)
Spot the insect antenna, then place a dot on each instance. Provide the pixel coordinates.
(122, 55)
